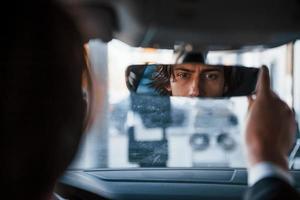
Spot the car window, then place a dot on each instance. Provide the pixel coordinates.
(141, 131)
(296, 94)
(296, 78)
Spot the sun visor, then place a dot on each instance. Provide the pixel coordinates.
(212, 25)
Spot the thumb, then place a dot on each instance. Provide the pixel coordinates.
(263, 82)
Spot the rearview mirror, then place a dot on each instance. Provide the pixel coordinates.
(191, 80)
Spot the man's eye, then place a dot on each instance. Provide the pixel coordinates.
(211, 76)
(183, 75)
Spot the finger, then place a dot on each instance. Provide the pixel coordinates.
(250, 101)
(263, 82)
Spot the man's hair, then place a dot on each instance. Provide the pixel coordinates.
(161, 79)
(186, 57)
(42, 106)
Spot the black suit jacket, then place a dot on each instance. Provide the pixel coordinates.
(271, 188)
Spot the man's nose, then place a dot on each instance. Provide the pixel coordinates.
(194, 90)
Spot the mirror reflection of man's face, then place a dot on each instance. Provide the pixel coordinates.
(192, 80)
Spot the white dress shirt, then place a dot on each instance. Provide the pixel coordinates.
(267, 169)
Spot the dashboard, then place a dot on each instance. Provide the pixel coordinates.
(156, 183)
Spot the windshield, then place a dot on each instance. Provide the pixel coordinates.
(147, 131)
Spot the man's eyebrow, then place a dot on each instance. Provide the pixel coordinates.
(184, 69)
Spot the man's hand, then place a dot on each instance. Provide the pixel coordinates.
(270, 127)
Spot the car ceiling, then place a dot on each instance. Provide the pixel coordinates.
(206, 24)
